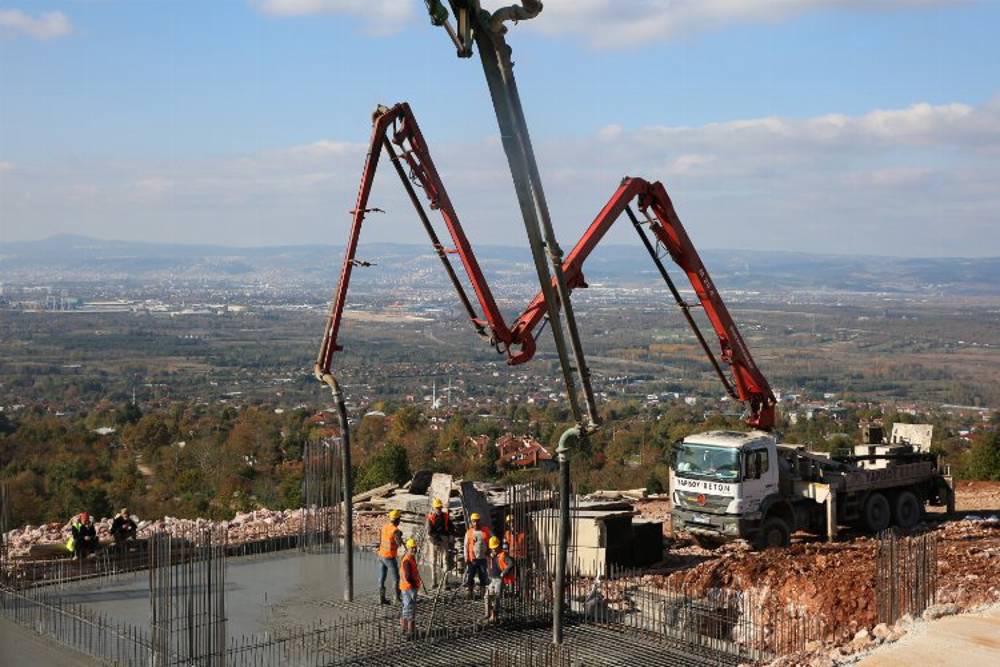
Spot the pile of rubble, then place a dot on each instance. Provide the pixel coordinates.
(835, 583)
(244, 527)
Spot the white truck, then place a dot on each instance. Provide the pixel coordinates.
(729, 485)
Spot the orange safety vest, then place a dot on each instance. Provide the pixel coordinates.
(470, 539)
(432, 521)
(504, 561)
(515, 543)
(387, 546)
(409, 574)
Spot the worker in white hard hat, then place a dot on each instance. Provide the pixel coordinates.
(439, 533)
(477, 549)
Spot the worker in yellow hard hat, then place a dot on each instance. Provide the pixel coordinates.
(477, 539)
(390, 539)
(501, 570)
(439, 532)
(409, 584)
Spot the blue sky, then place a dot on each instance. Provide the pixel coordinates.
(811, 125)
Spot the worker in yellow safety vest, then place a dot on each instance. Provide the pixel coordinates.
(390, 539)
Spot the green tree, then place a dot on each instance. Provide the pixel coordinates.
(391, 464)
(983, 459)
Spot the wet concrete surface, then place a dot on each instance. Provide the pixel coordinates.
(21, 647)
(263, 593)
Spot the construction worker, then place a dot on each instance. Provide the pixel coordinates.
(83, 541)
(409, 584)
(123, 528)
(514, 541)
(476, 551)
(390, 540)
(439, 531)
(501, 570)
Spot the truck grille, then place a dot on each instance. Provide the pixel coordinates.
(712, 503)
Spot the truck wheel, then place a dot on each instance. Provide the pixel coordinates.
(774, 533)
(907, 511)
(876, 513)
(706, 542)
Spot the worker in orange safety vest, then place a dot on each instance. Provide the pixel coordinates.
(409, 584)
(476, 551)
(501, 570)
(439, 532)
(389, 541)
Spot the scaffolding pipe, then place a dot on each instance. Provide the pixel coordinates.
(559, 594)
(345, 441)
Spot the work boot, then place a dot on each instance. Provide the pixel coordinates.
(469, 594)
(382, 599)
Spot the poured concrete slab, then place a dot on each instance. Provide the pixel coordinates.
(263, 593)
(21, 647)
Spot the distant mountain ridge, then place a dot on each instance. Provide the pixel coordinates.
(620, 264)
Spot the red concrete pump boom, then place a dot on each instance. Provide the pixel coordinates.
(407, 147)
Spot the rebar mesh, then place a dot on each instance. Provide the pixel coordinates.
(905, 575)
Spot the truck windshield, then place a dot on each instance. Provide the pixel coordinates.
(707, 462)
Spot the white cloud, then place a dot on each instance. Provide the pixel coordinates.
(602, 23)
(613, 23)
(382, 17)
(48, 25)
(916, 180)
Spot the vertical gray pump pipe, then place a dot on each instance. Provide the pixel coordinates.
(345, 440)
(559, 594)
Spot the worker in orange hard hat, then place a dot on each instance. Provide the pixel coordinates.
(477, 549)
(389, 540)
(409, 584)
(439, 532)
(501, 570)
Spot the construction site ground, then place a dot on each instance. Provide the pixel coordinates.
(969, 639)
(835, 581)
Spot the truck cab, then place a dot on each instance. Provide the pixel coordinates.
(721, 482)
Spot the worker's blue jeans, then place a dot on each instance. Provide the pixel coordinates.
(476, 569)
(388, 565)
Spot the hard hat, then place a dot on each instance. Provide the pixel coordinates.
(494, 542)
(84, 517)
(475, 516)
(510, 518)
(411, 543)
(395, 514)
(437, 504)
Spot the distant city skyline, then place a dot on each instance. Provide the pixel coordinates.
(822, 126)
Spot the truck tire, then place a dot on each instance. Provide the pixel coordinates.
(876, 514)
(774, 533)
(907, 510)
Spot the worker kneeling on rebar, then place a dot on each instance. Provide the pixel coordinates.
(83, 541)
(409, 584)
(476, 553)
(123, 528)
(501, 571)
